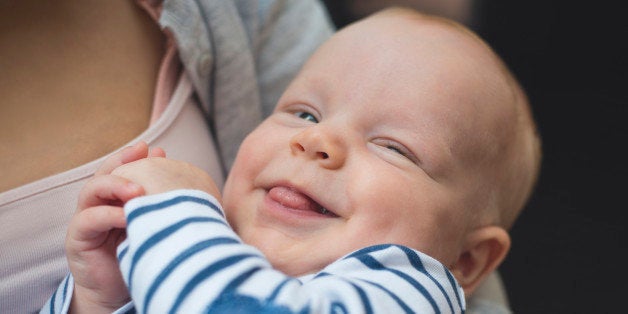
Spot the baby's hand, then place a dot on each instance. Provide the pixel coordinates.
(157, 175)
(93, 235)
(95, 231)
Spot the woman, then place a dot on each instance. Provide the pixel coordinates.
(83, 78)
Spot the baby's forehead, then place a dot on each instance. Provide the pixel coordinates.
(399, 25)
(468, 84)
(439, 65)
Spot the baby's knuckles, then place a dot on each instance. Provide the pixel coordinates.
(158, 175)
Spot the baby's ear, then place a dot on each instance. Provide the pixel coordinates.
(484, 250)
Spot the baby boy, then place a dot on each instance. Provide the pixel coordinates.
(386, 180)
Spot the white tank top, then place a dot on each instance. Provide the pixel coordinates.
(34, 217)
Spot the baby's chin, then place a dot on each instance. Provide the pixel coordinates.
(297, 267)
(294, 261)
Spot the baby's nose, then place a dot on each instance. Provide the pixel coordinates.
(321, 145)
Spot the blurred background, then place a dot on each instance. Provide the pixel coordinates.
(569, 243)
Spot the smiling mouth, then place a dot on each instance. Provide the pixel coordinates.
(295, 200)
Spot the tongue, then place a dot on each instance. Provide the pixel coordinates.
(292, 199)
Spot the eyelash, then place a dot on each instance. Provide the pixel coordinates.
(399, 149)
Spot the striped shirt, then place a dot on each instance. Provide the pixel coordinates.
(181, 256)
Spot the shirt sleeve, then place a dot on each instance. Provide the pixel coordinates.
(181, 256)
(59, 302)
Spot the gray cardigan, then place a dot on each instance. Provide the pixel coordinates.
(240, 56)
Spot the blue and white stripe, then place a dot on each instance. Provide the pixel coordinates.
(181, 256)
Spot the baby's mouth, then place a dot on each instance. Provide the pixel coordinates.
(296, 200)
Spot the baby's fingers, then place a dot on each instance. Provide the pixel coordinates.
(157, 152)
(126, 155)
(108, 190)
(95, 222)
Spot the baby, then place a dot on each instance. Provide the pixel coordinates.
(385, 181)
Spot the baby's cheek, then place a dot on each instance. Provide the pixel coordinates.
(233, 219)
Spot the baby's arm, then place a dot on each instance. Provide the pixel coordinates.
(182, 256)
(93, 234)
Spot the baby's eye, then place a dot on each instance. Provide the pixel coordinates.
(401, 151)
(306, 116)
(397, 148)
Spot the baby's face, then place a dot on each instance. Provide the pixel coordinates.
(367, 146)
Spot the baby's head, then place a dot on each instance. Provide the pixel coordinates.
(402, 128)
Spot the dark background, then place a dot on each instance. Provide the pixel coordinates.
(569, 243)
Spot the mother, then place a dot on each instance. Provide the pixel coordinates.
(81, 79)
